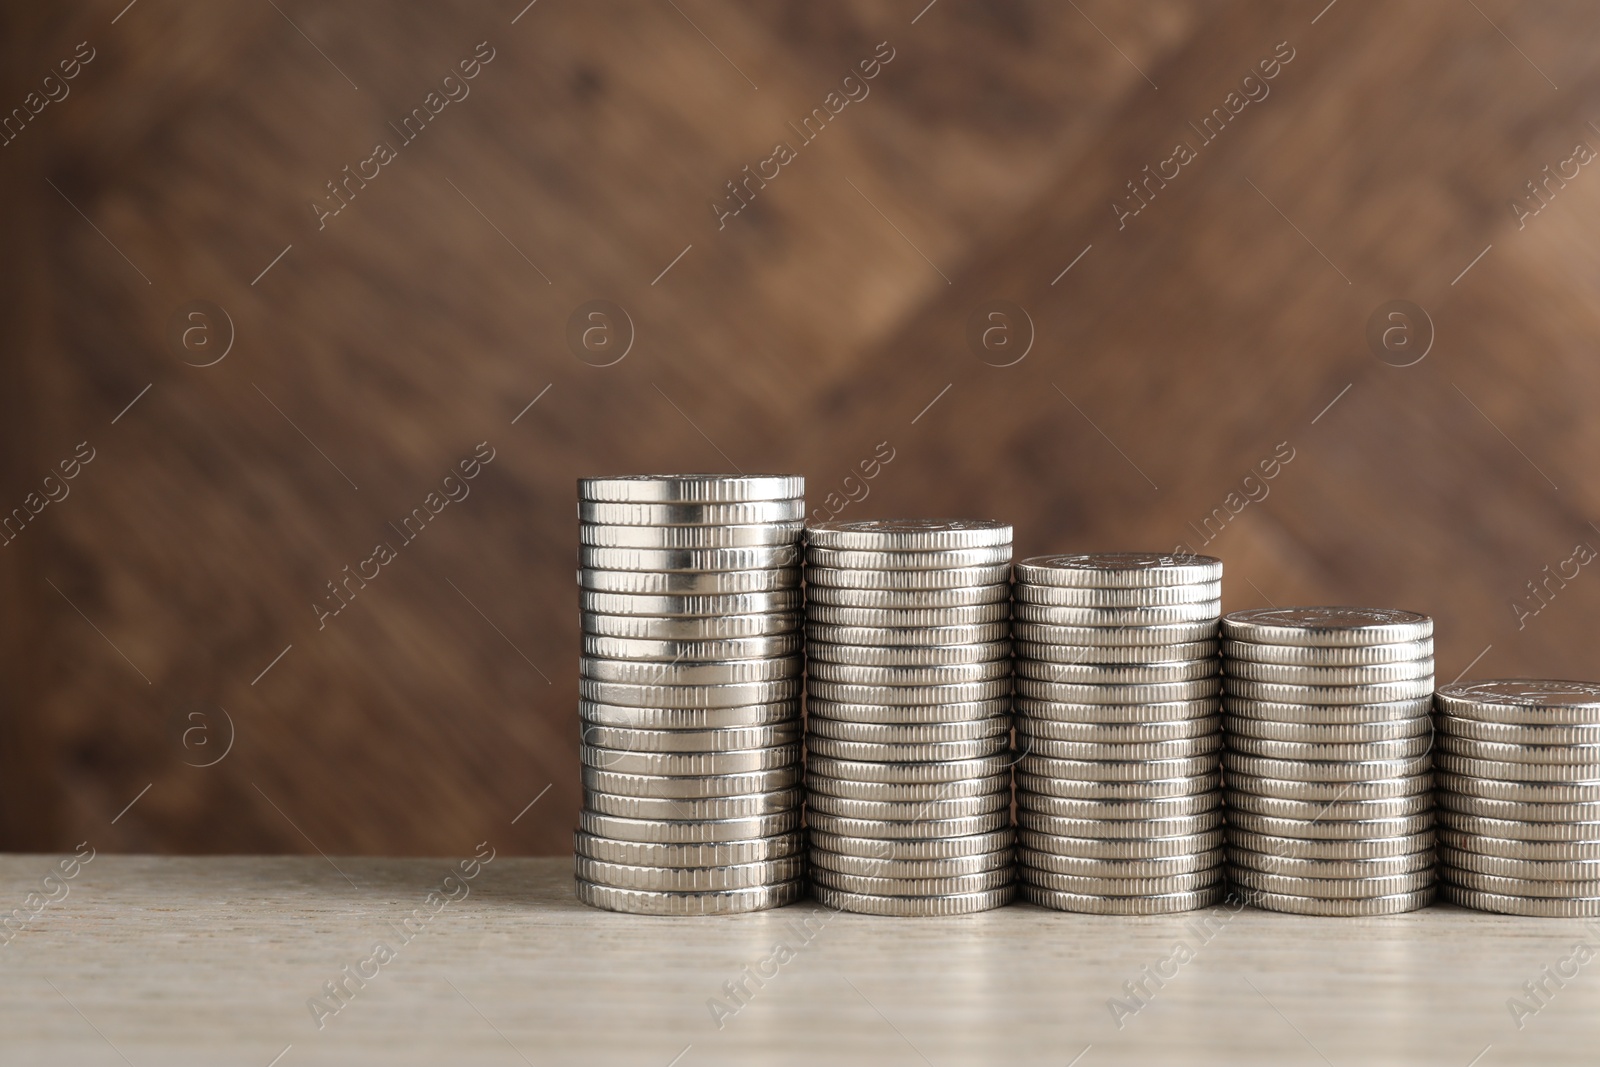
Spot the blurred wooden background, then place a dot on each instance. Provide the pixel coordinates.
(163, 605)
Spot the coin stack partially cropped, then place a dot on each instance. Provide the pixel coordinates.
(1518, 771)
(1328, 739)
(1119, 798)
(690, 693)
(908, 694)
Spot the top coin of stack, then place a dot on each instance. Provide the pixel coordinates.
(1329, 795)
(690, 686)
(1518, 770)
(908, 725)
(1118, 785)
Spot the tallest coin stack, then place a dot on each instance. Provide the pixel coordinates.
(690, 693)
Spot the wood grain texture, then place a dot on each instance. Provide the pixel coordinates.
(822, 320)
(213, 960)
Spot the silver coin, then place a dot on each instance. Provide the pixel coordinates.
(1117, 770)
(638, 695)
(889, 752)
(726, 513)
(1526, 850)
(921, 907)
(1087, 693)
(1320, 733)
(1108, 654)
(1565, 755)
(1371, 674)
(910, 637)
(678, 629)
(692, 651)
(1053, 786)
(1159, 635)
(901, 677)
(1185, 748)
(757, 535)
(689, 583)
(734, 807)
(1146, 597)
(915, 829)
(1377, 693)
(1119, 570)
(1337, 810)
(745, 715)
(1546, 907)
(1121, 830)
(689, 560)
(908, 656)
(1293, 904)
(648, 672)
(1325, 714)
(1119, 673)
(1163, 905)
(1518, 772)
(1303, 867)
(721, 902)
(1519, 811)
(1119, 810)
(1506, 867)
(688, 786)
(1325, 656)
(909, 733)
(908, 695)
(908, 714)
(907, 581)
(1328, 770)
(1332, 888)
(1088, 867)
(948, 771)
(672, 605)
(1534, 792)
(1117, 714)
(1207, 611)
(1094, 885)
(820, 784)
(902, 810)
(1306, 848)
(695, 764)
(1116, 733)
(900, 560)
(1341, 751)
(685, 832)
(913, 887)
(1564, 889)
(902, 621)
(1521, 700)
(1119, 848)
(927, 849)
(692, 488)
(1332, 626)
(908, 535)
(1348, 830)
(1519, 831)
(691, 879)
(1508, 733)
(726, 739)
(950, 867)
(905, 600)
(1381, 789)
(717, 854)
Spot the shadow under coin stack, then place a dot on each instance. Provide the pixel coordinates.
(690, 685)
(1118, 786)
(1518, 768)
(1328, 731)
(908, 769)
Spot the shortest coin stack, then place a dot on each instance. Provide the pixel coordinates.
(1327, 757)
(1518, 767)
(908, 768)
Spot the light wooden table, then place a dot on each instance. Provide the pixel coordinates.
(162, 961)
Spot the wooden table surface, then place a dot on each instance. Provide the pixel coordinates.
(175, 961)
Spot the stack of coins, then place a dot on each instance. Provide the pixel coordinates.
(690, 693)
(1327, 759)
(1119, 799)
(908, 769)
(1518, 768)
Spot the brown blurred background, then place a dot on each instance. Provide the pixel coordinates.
(162, 604)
